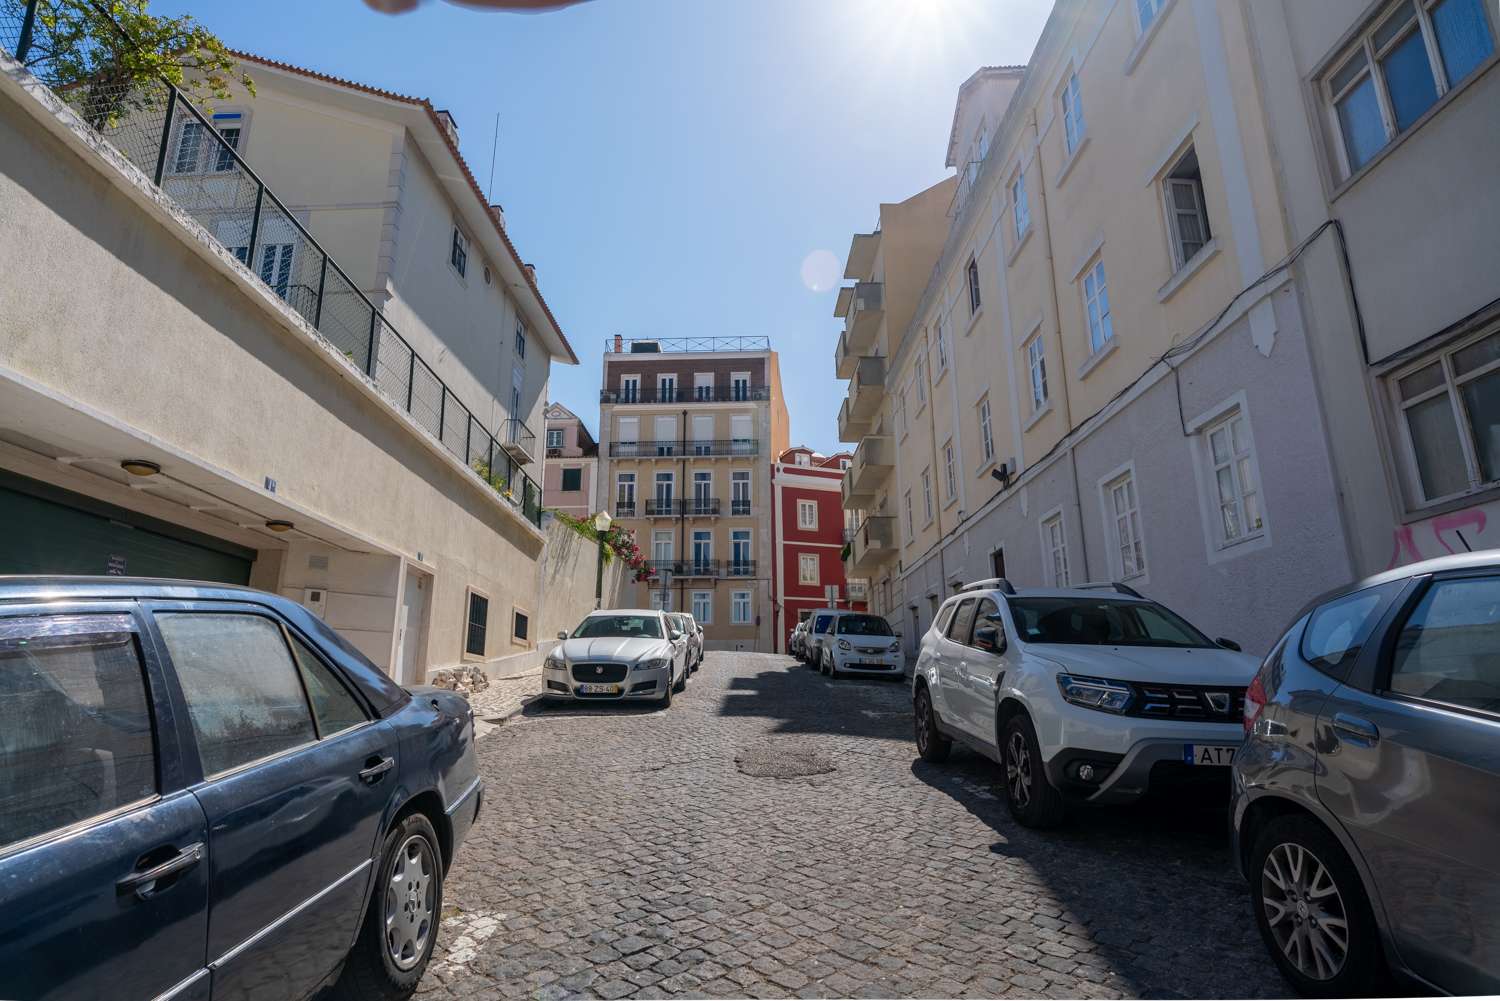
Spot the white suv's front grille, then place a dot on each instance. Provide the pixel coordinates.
(1209, 703)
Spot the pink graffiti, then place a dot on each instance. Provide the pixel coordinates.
(1406, 543)
(1456, 521)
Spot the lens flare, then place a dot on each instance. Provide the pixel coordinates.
(820, 271)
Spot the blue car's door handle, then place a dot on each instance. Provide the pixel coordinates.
(143, 881)
(375, 769)
(1353, 726)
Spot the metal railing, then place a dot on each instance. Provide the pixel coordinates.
(664, 448)
(153, 125)
(739, 568)
(704, 568)
(688, 507)
(697, 394)
(625, 509)
(672, 345)
(739, 508)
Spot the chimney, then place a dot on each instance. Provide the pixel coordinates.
(619, 344)
(498, 211)
(450, 123)
(531, 271)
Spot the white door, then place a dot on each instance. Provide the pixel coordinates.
(410, 619)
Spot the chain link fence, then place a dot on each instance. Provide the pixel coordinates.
(194, 158)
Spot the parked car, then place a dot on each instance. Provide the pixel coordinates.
(861, 643)
(205, 791)
(684, 624)
(1091, 693)
(624, 654)
(819, 635)
(1366, 802)
(796, 642)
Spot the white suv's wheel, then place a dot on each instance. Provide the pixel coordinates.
(1033, 800)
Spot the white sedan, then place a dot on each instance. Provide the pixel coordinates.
(619, 655)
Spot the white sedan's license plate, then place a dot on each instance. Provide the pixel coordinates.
(599, 689)
(1209, 754)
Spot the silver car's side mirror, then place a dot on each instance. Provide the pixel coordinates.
(676, 635)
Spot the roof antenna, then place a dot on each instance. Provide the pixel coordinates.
(494, 145)
(1459, 532)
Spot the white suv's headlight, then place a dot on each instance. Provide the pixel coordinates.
(1103, 694)
(655, 664)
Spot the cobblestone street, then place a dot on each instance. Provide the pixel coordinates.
(627, 852)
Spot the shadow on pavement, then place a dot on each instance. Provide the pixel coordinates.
(548, 706)
(802, 701)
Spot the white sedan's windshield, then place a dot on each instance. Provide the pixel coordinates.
(623, 626)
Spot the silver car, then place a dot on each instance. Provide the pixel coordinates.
(1366, 802)
(692, 635)
(619, 655)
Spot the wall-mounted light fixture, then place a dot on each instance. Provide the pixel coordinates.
(278, 526)
(140, 467)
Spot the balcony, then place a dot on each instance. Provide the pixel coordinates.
(685, 568)
(860, 264)
(874, 543)
(667, 448)
(851, 428)
(625, 509)
(739, 568)
(518, 441)
(739, 508)
(867, 387)
(699, 394)
(858, 590)
(844, 360)
(687, 507)
(862, 306)
(873, 461)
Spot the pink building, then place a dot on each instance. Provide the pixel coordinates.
(571, 469)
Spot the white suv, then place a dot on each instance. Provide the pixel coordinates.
(1090, 693)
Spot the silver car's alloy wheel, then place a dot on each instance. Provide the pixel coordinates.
(1018, 770)
(409, 900)
(924, 722)
(1305, 911)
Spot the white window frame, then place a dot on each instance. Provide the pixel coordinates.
(668, 478)
(663, 379)
(622, 481)
(1452, 382)
(703, 381)
(1174, 212)
(911, 525)
(950, 469)
(1364, 46)
(736, 380)
(1020, 206)
(630, 388)
(1131, 517)
(1221, 420)
(748, 540)
(736, 478)
(804, 576)
(1036, 368)
(1147, 12)
(741, 611)
(702, 601)
(1075, 126)
(555, 437)
(971, 279)
(1054, 531)
(919, 379)
(1102, 328)
(707, 555)
(940, 343)
(986, 432)
(807, 515)
(663, 549)
(927, 504)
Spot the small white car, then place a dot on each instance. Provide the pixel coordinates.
(860, 643)
(628, 654)
(1092, 693)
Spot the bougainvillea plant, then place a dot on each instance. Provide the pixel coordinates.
(618, 541)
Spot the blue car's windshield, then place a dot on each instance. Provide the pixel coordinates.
(623, 626)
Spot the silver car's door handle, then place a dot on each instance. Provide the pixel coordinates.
(1352, 726)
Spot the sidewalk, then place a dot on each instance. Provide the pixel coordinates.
(503, 699)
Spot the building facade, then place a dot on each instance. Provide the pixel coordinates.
(687, 430)
(1109, 375)
(572, 469)
(810, 529)
(323, 398)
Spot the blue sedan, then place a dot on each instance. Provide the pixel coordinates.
(205, 792)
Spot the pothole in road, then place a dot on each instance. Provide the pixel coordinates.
(783, 759)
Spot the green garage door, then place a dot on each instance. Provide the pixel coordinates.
(44, 530)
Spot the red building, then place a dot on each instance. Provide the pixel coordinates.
(809, 528)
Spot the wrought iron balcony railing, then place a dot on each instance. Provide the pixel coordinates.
(686, 568)
(697, 394)
(663, 448)
(739, 508)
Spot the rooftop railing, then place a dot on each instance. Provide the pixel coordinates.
(194, 158)
(671, 345)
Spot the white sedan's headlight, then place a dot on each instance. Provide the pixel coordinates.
(555, 662)
(654, 664)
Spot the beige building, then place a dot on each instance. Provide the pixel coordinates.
(1109, 375)
(688, 428)
(572, 470)
(191, 387)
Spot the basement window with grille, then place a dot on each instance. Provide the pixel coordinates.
(479, 623)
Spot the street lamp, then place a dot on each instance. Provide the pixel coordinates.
(601, 525)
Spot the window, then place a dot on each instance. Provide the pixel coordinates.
(479, 624)
(807, 515)
(1336, 631)
(739, 386)
(950, 470)
(899, 414)
(1055, 551)
(741, 437)
(1036, 364)
(458, 254)
(940, 338)
(666, 436)
(703, 607)
(197, 149)
(189, 143)
(661, 546)
(739, 552)
(334, 708)
(802, 459)
(739, 607)
(1126, 518)
(911, 527)
(229, 130)
(1449, 650)
(945, 616)
(572, 480)
(75, 722)
(1236, 484)
(666, 485)
(919, 381)
(1019, 205)
(1449, 409)
(1072, 105)
(627, 434)
(661, 599)
(554, 438)
(1096, 305)
(807, 568)
(520, 626)
(703, 386)
(986, 432)
(242, 690)
(739, 486)
(666, 389)
(1146, 11)
(1399, 68)
(520, 339)
(972, 274)
(630, 388)
(927, 492)
(843, 464)
(997, 563)
(625, 495)
(703, 551)
(1187, 216)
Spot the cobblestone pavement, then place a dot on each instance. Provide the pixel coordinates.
(502, 699)
(626, 852)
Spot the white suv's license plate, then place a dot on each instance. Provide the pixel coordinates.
(1209, 754)
(599, 689)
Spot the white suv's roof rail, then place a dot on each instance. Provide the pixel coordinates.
(1109, 585)
(990, 584)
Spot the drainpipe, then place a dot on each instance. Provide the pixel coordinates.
(1083, 536)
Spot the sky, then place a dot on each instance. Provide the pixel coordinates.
(670, 165)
